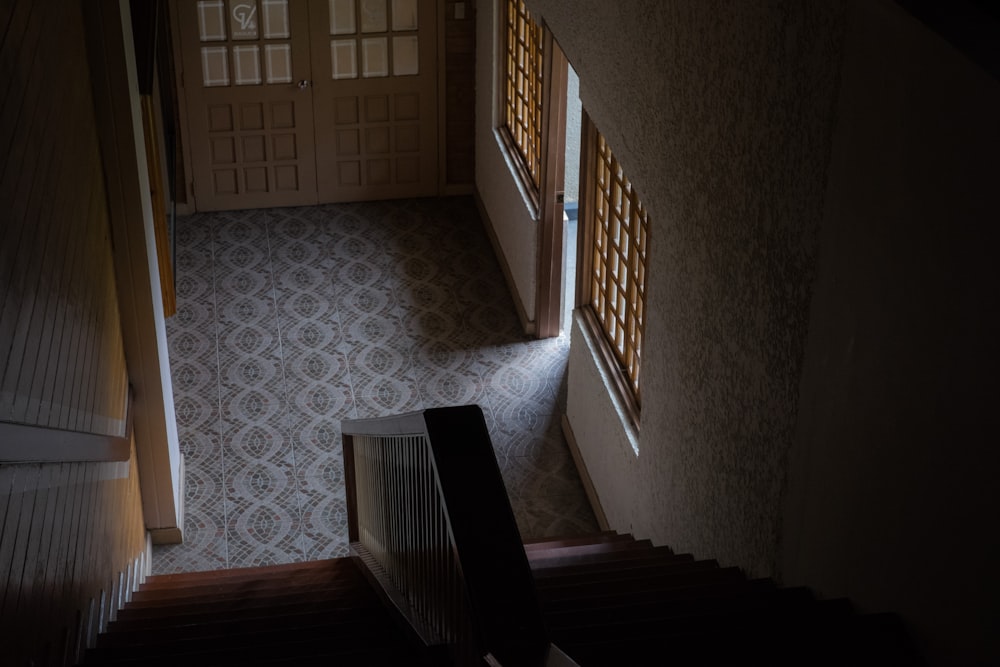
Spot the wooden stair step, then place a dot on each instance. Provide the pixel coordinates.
(687, 616)
(659, 583)
(316, 652)
(579, 540)
(546, 560)
(373, 656)
(645, 570)
(710, 600)
(236, 604)
(225, 627)
(796, 632)
(198, 615)
(604, 534)
(589, 549)
(723, 586)
(343, 573)
(248, 573)
(341, 635)
(660, 558)
(261, 587)
(693, 651)
(236, 596)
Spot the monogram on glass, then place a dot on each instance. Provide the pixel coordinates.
(243, 20)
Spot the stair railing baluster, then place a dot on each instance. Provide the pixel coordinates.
(432, 527)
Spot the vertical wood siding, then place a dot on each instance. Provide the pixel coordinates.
(72, 551)
(61, 357)
(72, 540)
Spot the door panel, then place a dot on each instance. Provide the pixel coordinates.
(251, 124)
(363, 124)
(375, 98)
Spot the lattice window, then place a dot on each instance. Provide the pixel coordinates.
(618, 278)
(523, 88)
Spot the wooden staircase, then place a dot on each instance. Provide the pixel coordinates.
(321, 612)
(609, 599)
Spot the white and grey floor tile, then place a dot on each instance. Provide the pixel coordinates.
(290, 320)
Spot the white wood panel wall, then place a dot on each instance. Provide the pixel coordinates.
(72, 551)
(61, 355)
(72, 539)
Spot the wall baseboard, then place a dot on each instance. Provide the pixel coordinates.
(527, 324)
(581, 467)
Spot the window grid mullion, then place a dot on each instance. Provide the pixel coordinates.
(523, 103)
(619, 271)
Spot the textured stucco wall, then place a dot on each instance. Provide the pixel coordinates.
(721, 115)
(819, 378)
(514, 224)
(892, 493)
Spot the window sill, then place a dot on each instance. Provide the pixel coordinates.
(625, 409)
(510, 157)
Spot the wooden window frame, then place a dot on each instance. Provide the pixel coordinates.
(535, 143)
(624, 367)
(525, 47)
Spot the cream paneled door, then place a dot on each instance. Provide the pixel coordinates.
(250, 107)
(375, 98)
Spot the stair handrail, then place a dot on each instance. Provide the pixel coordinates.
(31, 443)
(431, 525)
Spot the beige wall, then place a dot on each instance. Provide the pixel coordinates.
(512, 222)
(819, 370)
(721, 115)
(892, 492)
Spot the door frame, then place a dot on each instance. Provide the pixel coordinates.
(551, 229)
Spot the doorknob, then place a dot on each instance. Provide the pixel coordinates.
(304, 83)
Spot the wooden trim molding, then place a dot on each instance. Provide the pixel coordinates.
(22, 443)
(26, 443)
(119, 129)
(159, 197)
(585, 232)
(551, 264)
(621, 379)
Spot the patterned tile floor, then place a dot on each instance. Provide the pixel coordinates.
(290, 320)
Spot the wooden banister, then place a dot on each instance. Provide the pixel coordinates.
(430, 521)
(25, 443)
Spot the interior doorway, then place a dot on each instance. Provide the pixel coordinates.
(298, 103)
(571, 194)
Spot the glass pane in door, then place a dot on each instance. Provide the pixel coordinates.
(374, 16)
(374, 57)
(342, 20)
(343, 54)
(405, 60)
(243, 19)
(279, 63)
(404, 15)
(275, 15)
(211, 21)
(214, 66)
